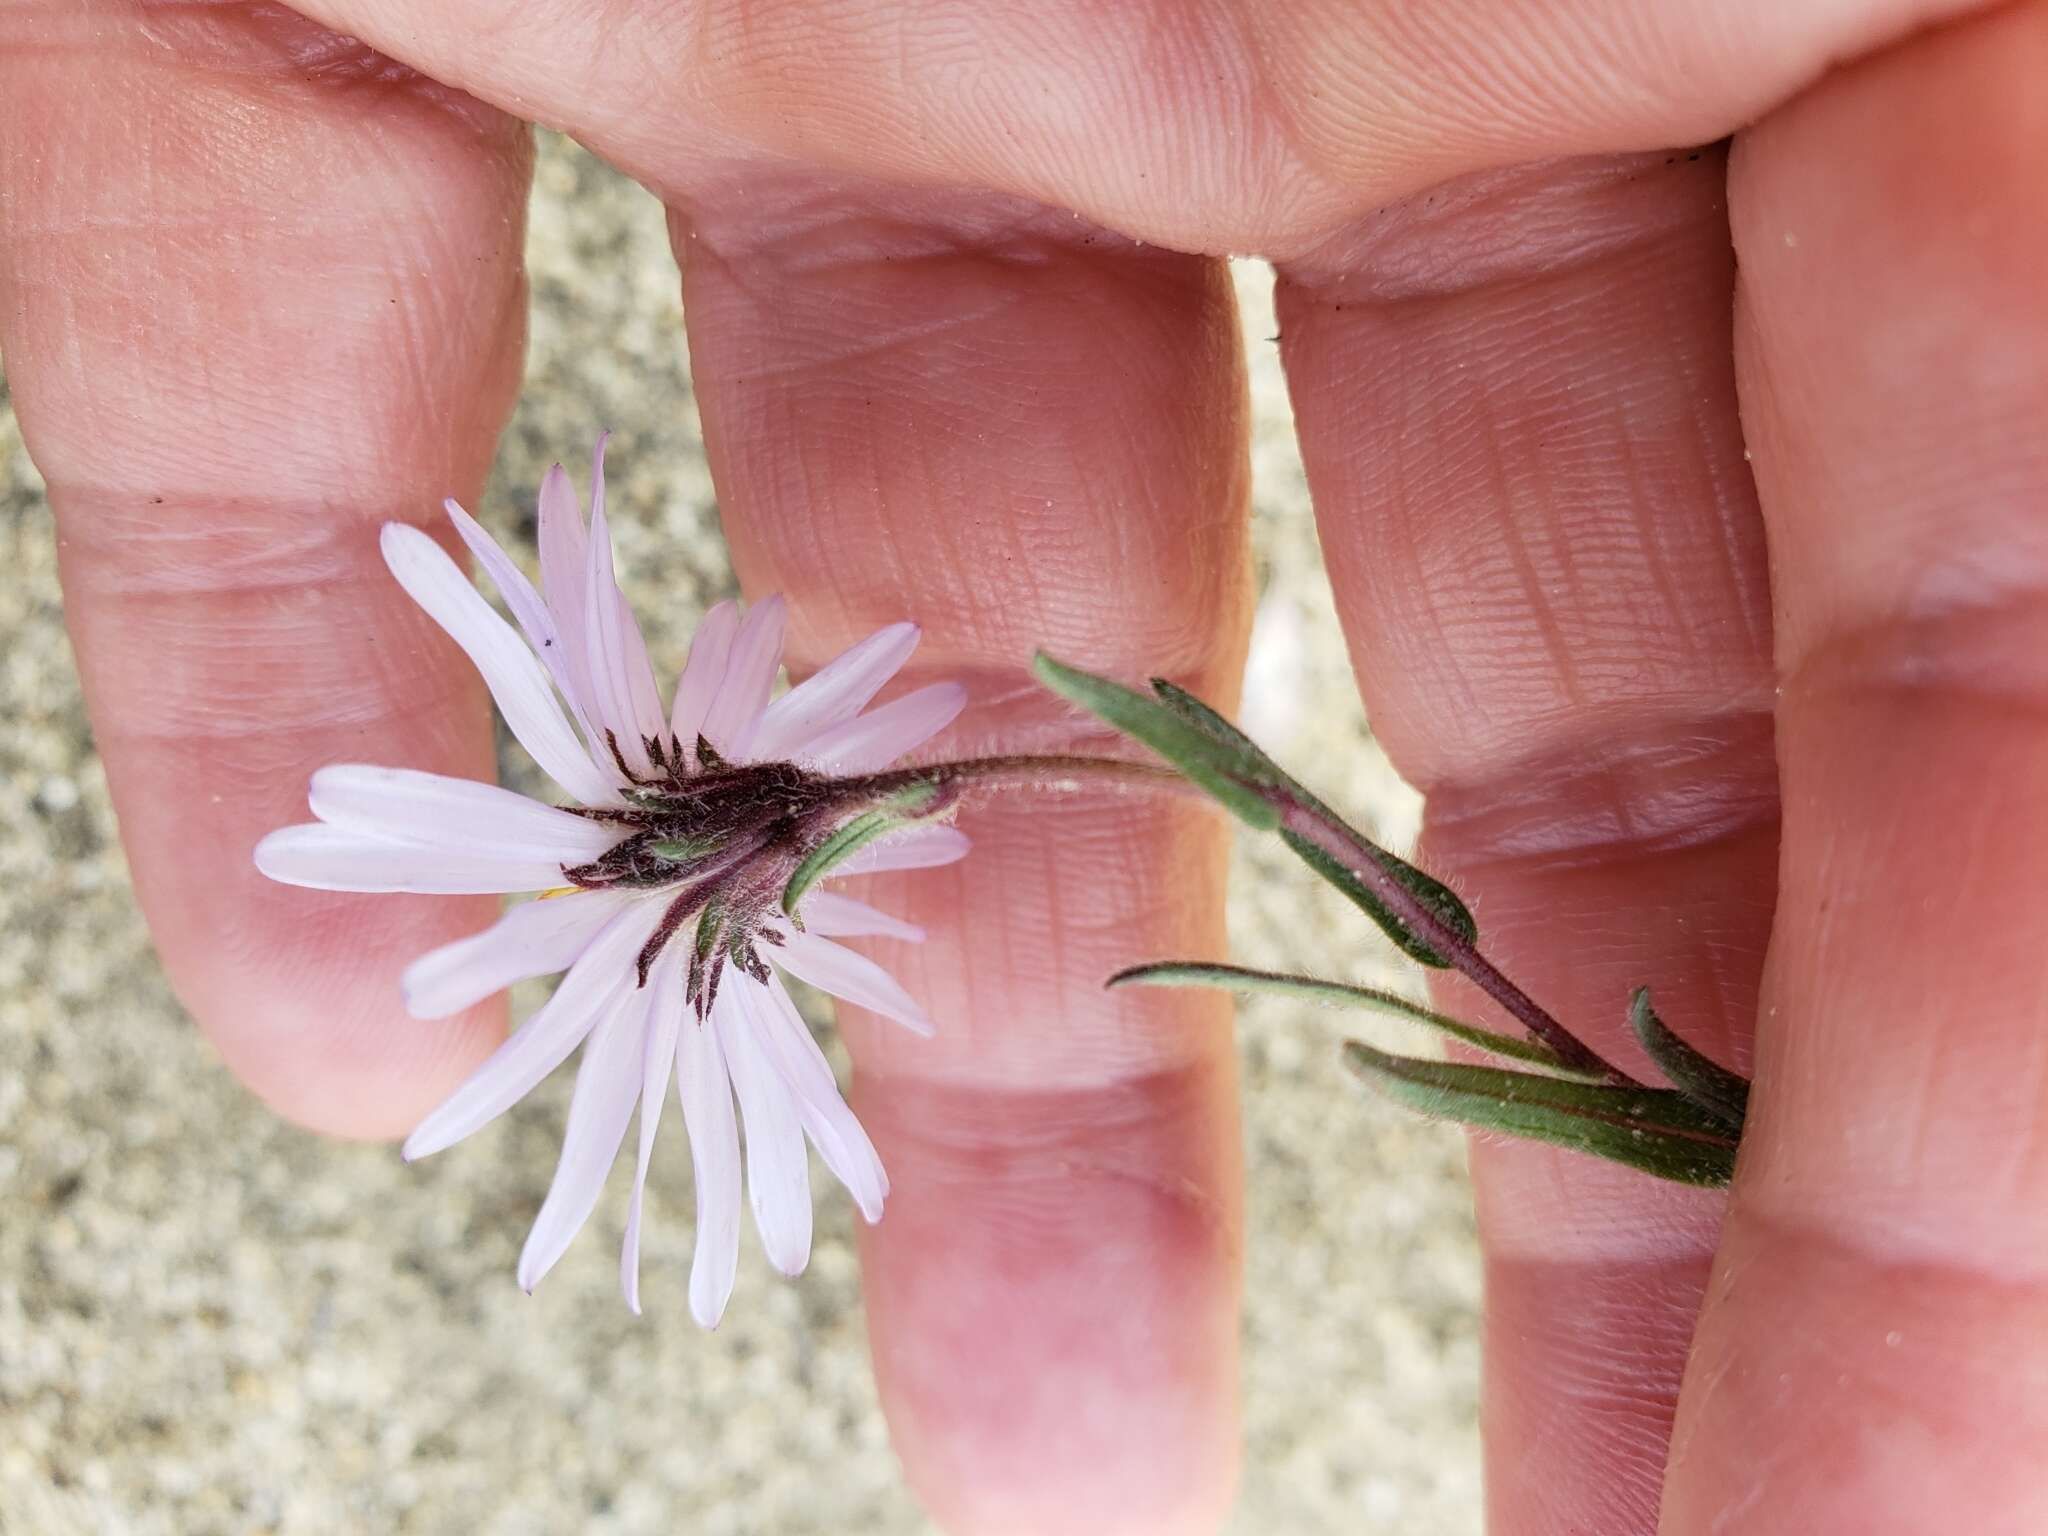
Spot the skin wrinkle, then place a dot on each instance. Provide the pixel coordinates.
(1527, 224)
(1987, 649)
(268, 47)
(1515, 532)
(1950, 1286)
(1658, 786)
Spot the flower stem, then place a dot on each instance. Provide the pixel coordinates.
(1337, 840)
(1049, 773)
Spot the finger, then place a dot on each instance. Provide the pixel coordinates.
(1874, 1353)
(1247, 126)
(1516, 407)
(271, 301)
(1017, 432)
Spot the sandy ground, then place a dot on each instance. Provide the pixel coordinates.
(212, 1323)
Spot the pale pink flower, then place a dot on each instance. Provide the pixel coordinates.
(664, 883)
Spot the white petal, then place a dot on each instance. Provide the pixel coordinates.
(640, 672)
(595, 983)
(826, 1117)
(607, 1082)
(877, 738)
(516, 679)
(705, 1088)
(563, 544)
(664, 1017)
(836, 692)
(616, 694)
(778, 1170)
(750, 670)
(431, 810)
(535, 938)
(924, 847)
(324, 858)
(703, 672)
(836, 969)
(833, 916)
(531, 614)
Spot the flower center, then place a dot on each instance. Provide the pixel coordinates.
(721, 843)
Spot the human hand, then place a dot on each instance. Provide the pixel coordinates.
(259, 291)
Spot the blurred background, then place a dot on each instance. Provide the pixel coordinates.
(210, 1322)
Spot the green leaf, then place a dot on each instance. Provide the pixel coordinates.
(1656, 1130)
(1439, 899)
(1231, 775)
(1314, 989)
(1707, 1083)
(836, 850)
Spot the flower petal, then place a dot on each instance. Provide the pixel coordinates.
(640, 673)
(836, 969)
(778, 1170)
(750, 670)
(518, 682)
(836, 692)
(563, 546)
(705, 1088)
(597, 981)
(324, 858)
(921, 847)
(617, 694)
(528, 610)
(833, 916)
(877, 738)
(607, 1083)
(432, 810)
(535, 938)
(664, 1018)
(827, 1119)
(702, 673)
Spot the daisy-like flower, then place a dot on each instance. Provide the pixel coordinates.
(673, 890)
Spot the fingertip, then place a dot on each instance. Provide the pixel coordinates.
(344, 1066)
(299, 992)
(1054, 1313)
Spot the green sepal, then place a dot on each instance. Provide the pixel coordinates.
(1721, 1093)
(1228, 772)
(1441, 901)
(1655, 1130)
(1236, 978)
(836, 850)
(684, 850)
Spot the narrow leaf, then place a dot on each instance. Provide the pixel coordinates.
(836, 850)
(1656, 1130)
(1722, 1093)
(1314, 989)
(1439, 899)
(1229, 774)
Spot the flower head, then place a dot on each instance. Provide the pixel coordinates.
(673, 891)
